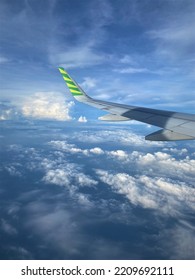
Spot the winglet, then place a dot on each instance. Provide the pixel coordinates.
(74, 88)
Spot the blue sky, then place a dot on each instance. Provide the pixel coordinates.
(134, 52)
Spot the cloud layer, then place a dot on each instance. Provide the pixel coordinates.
(73, 190)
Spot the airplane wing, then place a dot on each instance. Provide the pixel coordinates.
(175, 126)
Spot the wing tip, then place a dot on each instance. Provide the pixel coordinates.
(62, 70)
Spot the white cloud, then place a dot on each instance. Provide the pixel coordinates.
(132, 70)
(72, 148)
(58, 170)
(161, 194)
(163, 163)
(154, 180)
(160, 163)
(158, 180)
(88, 83)
(47, 105)
(115, 134)
(176, 151)
(126, 184)
(118, 153)
(82, 119)
(79, 56)
(83, 180)
(58, 177)
(69, 175)
(97, 151)
(69, 148)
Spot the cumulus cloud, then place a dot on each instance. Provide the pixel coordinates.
(161, 194)
(163, 163)
(67, 177)
(47, 105)
(97, 151)
(115, 134)
(118, 153)
(158, 180)
(72, 179)
(161, 180)
(158, 164)
(58, 171)
(65, 146)
(82, 119)
(72, 148)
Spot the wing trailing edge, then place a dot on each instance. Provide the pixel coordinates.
(167, 135)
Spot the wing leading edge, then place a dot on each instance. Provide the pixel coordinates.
(176, 126)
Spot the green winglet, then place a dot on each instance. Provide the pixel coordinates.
(71, 84)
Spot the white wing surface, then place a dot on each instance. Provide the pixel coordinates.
(175, 126)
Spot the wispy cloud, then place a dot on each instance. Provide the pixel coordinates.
(131, 70)
(181, 239)
(56, 225)
(3, 59)
(174, 37)
(88, 83)
(7, 227)
(84, 49)
(81, 56)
